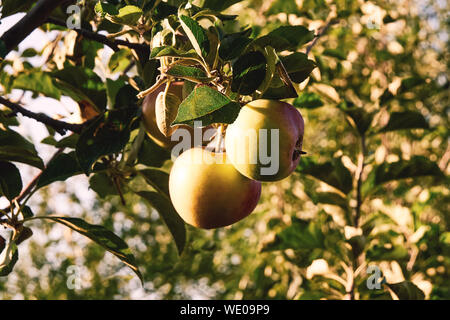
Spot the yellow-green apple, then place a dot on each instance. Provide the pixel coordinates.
(265, 141)
(208, 192)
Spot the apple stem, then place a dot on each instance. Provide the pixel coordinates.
(219, 138)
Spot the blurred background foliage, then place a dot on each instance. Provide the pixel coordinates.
(383, 75)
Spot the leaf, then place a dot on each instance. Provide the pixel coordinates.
(298, 66)
(283, 6)
(63, 166)
(328, 198)
(13, 147)
(285, 38)
(10, 7)
(102, 9)
(103, 237)
(232, 45)
(128, 15)
(281, 86)
(189, 73)
(406, 290)
(166, 108)
(37, 82)
(336, 53)
(219, 5)
(358, 118)
(10, 180)
(8, 259)
(120, 60)
(81, 84)
(196, 34)
(417, 166)
(162, 204)
(301, 234)
(387, 253)
(249, 71)
(101, 183)
(157, 178)
(152, 155)
(272, 61)
(168, 51)
(206, 104)
(405, 120)
(112, 88)
(308, 100)
(333, 173)
(106, 135)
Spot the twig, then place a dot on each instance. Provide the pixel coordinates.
(33, 19)
(112, 43)
(360, 170)
(321, 32)
(60, 126)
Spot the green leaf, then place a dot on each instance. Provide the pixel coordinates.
(103, 237)
(13, 147)
(192, 74)
(249, 71)
(336, 53)
(103, 8)
(101, 183)
(3, 49)
(10, 7)
(120, 60)
(301, 234)
(128, 15)
(63, 166)
(387, 253)
(405, 120)
(27, 212)
(218, 5)
(406, 290)
(206, 104)
(10, 180)
(29, 52)
(37, 82)
(333, 173)
(358, 118)
(196, 34)
(11, 255)
(152, 155)
(162, 204)
(410, 83)
(281, 86)
(298, 66)
(81, 84)
(283, 6)
(157, 178)
(328, 198)
(417, 166)
(112, 88)
(286, 38)
(168, 51)
(308, 100)
(106, 135)
(68, 142)
(232, 45)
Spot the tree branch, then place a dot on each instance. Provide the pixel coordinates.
(321, 32)
(60, 126)
(33, 19)
(112, 43)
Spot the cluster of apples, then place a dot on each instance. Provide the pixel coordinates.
(212, 189)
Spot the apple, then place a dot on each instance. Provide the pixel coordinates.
(208, 192)
(265, 141)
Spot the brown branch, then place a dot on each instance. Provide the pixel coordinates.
(32, 20)
(321, 32)
(60, 126)
(112, 43)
